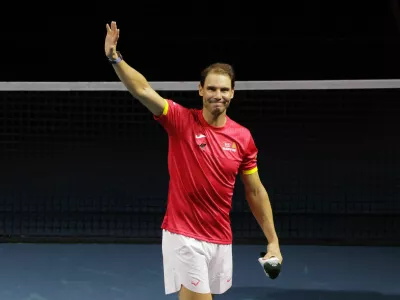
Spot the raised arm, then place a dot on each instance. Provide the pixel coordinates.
(134, 81)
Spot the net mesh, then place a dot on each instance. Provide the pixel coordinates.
(91, 163)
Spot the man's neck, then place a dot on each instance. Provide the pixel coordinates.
(214, 120)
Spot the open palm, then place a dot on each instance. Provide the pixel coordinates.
(110, 45)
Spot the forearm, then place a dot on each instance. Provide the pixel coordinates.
(139, 87)
(260, 206)
(134, 81)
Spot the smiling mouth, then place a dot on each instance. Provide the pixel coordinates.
(217, 101)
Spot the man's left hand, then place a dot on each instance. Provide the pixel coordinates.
(273, 250)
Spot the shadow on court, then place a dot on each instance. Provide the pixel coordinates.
(261, 293)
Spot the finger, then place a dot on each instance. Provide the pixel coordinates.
(108, 28)
(114, 26)
(115, 36)
(266, 256)
(269, 255)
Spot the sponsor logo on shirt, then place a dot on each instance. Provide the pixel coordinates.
(227, 146)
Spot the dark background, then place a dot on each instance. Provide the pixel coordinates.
(167, 40)
(92, 165)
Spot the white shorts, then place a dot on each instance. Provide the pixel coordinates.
(200, 266)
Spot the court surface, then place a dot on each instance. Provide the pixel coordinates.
(131, 271)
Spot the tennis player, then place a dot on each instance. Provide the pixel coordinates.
(207, 150)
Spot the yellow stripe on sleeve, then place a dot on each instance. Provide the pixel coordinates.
(251, 171)
(165, 111)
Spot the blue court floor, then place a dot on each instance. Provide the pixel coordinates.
(119, 272)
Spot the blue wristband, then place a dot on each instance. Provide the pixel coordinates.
(117, 60)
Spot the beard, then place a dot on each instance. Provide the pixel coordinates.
(217, 107)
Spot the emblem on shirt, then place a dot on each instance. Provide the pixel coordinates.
(200, 140)
(228, 146)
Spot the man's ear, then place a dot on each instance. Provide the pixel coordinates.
(200, 90)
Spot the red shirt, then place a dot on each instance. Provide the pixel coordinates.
(203, 163)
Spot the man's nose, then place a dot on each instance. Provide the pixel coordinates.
(218, 94)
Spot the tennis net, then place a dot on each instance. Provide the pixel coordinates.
(85, 161)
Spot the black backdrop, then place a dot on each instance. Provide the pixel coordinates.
(174, 41)
(93, 164)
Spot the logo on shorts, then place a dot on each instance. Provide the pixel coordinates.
(195, 283)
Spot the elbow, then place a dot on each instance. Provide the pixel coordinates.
(142, 90)
(256, 193)
(146, 88)
(255, 189)
(253, 193)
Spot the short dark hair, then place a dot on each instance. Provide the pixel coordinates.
(219, 68)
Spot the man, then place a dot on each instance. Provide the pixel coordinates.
(206, 152)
